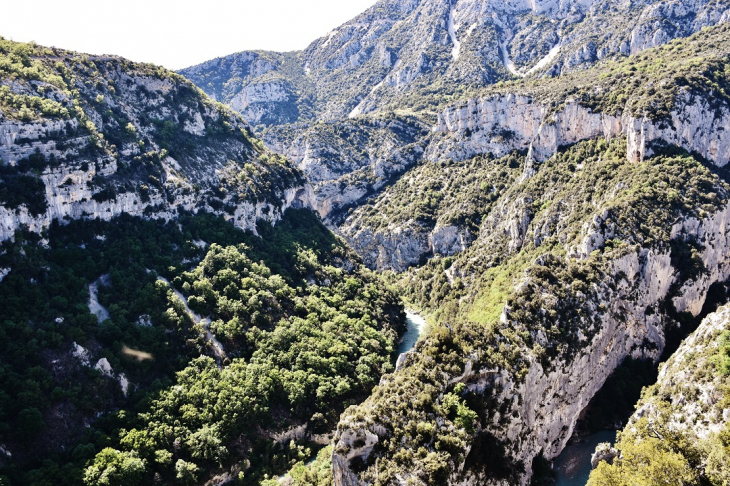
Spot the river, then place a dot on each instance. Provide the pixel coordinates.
(416, 326)
(573, 465)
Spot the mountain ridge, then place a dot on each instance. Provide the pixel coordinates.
(88, 125)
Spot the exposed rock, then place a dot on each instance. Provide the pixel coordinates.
(94, 306)
(349, 160)
(99, 168)
(261, 97)
(499, 124)
(395, 48)
(604, 453)
(81, 353)
(104, 367)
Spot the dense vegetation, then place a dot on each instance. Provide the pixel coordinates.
(312, 329)
(653, 451)
(445, 193)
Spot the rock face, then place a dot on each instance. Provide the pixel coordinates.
(349, 160)
(396, 47)
(400, 247)
(500, 124)
(691, 384)
(134, 140)
(649, 277)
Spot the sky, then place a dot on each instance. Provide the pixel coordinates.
(174, 33)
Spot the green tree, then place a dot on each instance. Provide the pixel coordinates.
(186, 472)
(115, 468)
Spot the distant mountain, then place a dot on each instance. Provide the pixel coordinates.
(415, 55)
(409, 60)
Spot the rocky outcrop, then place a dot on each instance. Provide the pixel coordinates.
(659, 22)
(499, 124)
(95, 307)
(264, 102)
(103, 366)
(541, 411)
(349, 160)
(604, 453)
(396, 248)
(399, 247)
(140, 142)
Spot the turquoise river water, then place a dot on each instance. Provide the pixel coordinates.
(573, 466)
(416, 326)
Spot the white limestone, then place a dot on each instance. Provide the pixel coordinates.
(499, 124)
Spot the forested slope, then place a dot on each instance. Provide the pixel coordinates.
(545, 259)
(146, 336)
(302, 328)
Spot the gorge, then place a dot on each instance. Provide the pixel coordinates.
(243, 244)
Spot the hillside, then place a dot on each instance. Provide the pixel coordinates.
(482, 149)
(589, 233)
(156, 327)
(199, 293)
(86, 136)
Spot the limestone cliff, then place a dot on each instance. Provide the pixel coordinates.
(397, 53)
(252, 83)
(105, 136)
(693, 382)
(537, 121)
